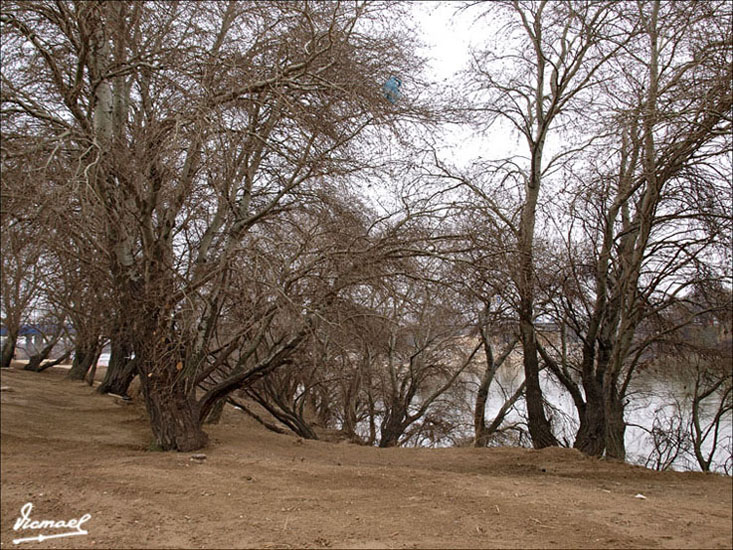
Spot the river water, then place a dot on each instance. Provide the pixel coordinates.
(658, 414)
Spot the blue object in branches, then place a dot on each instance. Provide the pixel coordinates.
(391, 89)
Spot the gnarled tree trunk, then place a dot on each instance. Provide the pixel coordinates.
(215, 413)
(615, 425)
(540, 429)
(172, 409)
(591, 436)
(34, 364)
(120, 372)
(9, 348)
(393, 426)
(85, 357)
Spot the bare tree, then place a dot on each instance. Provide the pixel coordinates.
(698, 354)
(384, 360)
(480, 273)
(424, 356)
(541, 84)
(713, 385)
(21, 280)
(651, 240)
(642, 241)
(186, 125)
(53, 331)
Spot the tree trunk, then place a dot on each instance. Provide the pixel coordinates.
(615, 426)
(540, 429)
(483, 439)
(9, 349)
(480, 437)
(591, 436)
(37, 367)
(120, 372)
(372, 420)
(86, 355)
(282, 411)
(269, 425)
(390, 438)
(214, 415)
(392, 428)
(351, 399)
(35, 360)
(92, 372)
(170, 396)
(323, 409)
(173, 411)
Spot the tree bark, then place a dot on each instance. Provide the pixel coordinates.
(86, 355)
(393, 427)
(34, 361)
(34, 365)
(214, 415)
(591, 436)
(120, 372)
(284, 413)
(615, 426)
(389, 438)
(350, 407)
(269, 425)
(540, 429)
(480, 436)
(480, 430)
(173, 412)
(9, 349)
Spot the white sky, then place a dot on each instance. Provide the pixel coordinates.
(447, 35)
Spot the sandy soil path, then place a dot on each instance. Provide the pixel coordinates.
(71, 452)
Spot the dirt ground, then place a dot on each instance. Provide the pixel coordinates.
(72, 452)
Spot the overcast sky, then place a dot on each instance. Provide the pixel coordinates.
(447, 35)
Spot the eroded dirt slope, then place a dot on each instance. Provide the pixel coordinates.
(72, 452)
